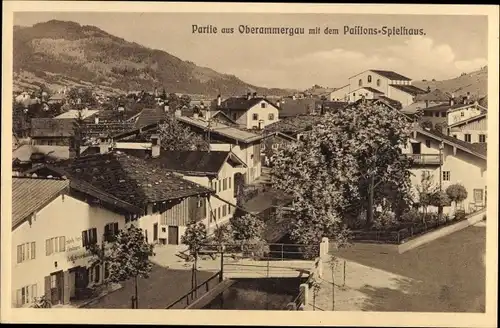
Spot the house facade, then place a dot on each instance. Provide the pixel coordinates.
(462, 112)
(473, 130)
(250, 112)
(456, 162)
(51, 132)
(52, 225)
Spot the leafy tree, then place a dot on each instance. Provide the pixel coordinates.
(78, 133)
(456, 193)
(164, 95)
(174, 102)
(440, 199)
(195, 238)
(246, 228)
(427, 124)
(175, 136)
(81, 96)
(129, 257)
(343, 165)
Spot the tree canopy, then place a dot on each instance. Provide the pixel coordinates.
(175, 136)
(331, 173)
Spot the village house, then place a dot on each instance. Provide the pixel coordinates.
(53, 223)
(426, 100)
(472, 130)
(168, 201)
(250, 112)
(292, 106)
(449, 161)
(74, 114)
(52, 132)
(272, 142)
(380, 83)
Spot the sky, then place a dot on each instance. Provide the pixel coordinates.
(451, 44)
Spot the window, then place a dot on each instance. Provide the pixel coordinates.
(110, 231)
(478, 196)
(425, 175)
(263, 105)
(271, 117)
(89, 237)
(106, 270)
(462, 114)
(97, 273)
(26, 295)
(446, 175)
(443, 114)
(427, 143)
(229, 209)
(224, 210)
(455, 136)
(229, 184)
(26, 252)
(218, 213)
(360, 82)
(436, 114)
(255, 117)
(199, 203)
(214, 185)
(354, 95)
(369, 79)
(467, 137)
(220, 186)
(146, 235)
(482, 138)
(55, 245)
(378, 82)
(274, 146)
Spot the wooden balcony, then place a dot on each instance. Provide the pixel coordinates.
(426, 159)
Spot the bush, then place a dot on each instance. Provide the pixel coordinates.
(456, 192)
(256, 248)
(459, 215)
(411, 216)
(385, 221)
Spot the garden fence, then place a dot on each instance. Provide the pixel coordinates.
(195, 293)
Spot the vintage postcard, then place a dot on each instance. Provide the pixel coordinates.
(332, 164)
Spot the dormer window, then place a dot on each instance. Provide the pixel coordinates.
(369, 79)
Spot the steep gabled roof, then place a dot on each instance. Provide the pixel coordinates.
(469, 120)
(369, 89)
(195, 162)
(435, 95)
(51, 127)
(130, 178)
(296, 107)
(149, 116)
(243, 103)
(391, 75)
(29, 195)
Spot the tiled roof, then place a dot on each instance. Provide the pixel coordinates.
(369, 89)
(295, 124)
(51, 127)
(130, 178)
(24, 152)
(149, 116)
(391, 75)
(410, 89)
(391, 102)
(30, 195)
(435, 95)
(108, 128)
(242, 103)
(330, 106)
(73, 114)
(191, 161)
(221, 129)
(296, 107)
(474, 149)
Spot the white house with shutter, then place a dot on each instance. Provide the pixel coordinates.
(52, 223)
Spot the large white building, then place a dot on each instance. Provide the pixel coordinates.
(372, 84)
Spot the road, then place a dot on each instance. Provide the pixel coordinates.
(447, 275)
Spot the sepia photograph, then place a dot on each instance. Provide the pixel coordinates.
(262, 160)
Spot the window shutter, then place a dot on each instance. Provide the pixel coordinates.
(115, 229)
(34, 291)
(47, 287)
(84, 239)
(33, 251)
(106, 232)
(94, 235)
(19, 254)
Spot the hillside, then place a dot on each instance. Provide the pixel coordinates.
(60, 53)
(475, 82)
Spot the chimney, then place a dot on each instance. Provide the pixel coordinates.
(278, 103)
(195, 115)
(219, 101)
(464, 99)
(155, 146)
(178, 113)
(294, 97)
(452, 100)
(96, 118)
(426, 103)
(104, 145)
(249, 95)
(165, 108)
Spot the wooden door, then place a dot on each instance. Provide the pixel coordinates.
(155, 232)
(56, 288)
(173, 235)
